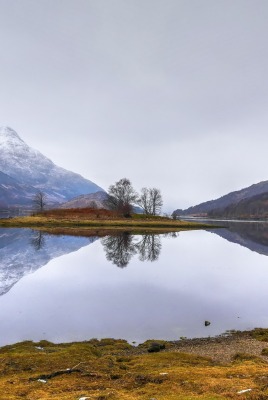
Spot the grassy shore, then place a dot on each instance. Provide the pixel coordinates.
(87, 218)
(114, 369)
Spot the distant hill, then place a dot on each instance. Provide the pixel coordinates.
(92, 200)
(253, 207)
(221, 203)
(31, 168)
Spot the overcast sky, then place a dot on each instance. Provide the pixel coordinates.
(169, 93)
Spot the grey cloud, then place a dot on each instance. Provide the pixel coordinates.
(107, 88)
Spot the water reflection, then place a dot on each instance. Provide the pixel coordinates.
(253, 235)
(120, 248)
(23, 251)
(198, 277)
(38, 240)
(15, 212)
(149, 247)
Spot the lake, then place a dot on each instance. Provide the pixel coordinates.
(135, 287)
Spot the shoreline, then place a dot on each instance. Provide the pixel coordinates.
(194, 345)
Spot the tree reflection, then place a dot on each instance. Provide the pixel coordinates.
(121, 248)
(172, 235)
(38, 240)
(149, 247)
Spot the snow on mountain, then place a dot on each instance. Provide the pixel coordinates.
(19, 160)
(30, 167)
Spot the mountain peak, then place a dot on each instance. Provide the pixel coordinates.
(30, 167)
(8, 134)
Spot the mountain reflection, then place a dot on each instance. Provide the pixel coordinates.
(253, 235)
(120, 248)
(23, 251)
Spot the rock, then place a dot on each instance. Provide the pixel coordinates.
(244, 391)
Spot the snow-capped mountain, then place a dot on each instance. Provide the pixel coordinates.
(29, 167)
(24, 251)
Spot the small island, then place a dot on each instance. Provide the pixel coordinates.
(91, 219)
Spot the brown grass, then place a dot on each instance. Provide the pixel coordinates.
(89, 218)
(113, 369)
(80, 213)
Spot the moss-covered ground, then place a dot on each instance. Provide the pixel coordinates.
(113, 369)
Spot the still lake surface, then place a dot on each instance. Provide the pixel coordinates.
(135, 287)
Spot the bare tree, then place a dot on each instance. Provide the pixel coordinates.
(150, 200)
(157, 200)
(40, 201)
(175, 215)
(122, 196)
(144, 201)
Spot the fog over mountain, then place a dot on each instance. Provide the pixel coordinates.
(26, 171)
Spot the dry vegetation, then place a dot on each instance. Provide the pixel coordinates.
(86, 217)
(113, 369)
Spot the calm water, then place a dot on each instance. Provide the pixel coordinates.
(64, 288)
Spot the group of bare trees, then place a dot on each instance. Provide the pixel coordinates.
(120, 248)
(150, 201)
(122, 197)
